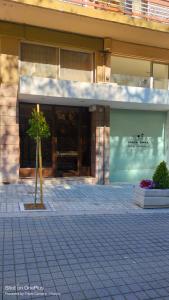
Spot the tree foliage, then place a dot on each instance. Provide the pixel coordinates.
(161, 176)
(38, 127)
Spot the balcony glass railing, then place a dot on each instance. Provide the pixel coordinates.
(139, 73)
(137, 81)
(155, 10)
(128, 80)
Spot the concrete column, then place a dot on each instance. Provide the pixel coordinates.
(107, 145)
(100, 144)
(9, 127)
(167, 139)
(107, 66)
(99, 63)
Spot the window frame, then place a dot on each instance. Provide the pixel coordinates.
(79, 50)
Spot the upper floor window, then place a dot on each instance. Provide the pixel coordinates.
(51, 62)
(128, 4)
(77, 66)
(151, 9)
(139, 73)
(130, 72)
(40, 61)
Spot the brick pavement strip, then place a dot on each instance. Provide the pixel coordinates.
(71, 199)
(68, 198)
(118, 256)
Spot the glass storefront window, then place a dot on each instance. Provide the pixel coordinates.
(160, 76)
(130, 72)
(77, 66)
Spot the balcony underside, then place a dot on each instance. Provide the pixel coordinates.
(86, 21)
(64, 92)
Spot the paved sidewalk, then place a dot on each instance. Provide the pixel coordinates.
(93, 243)
(119, 257)
(72, 199)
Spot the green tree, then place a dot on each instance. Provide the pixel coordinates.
(161, 176)
(38, 130)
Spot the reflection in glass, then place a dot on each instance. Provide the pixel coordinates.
(160, 75)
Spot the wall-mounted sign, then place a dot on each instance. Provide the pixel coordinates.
(139, 141)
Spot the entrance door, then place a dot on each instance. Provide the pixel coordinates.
(67, 141)
(72, 138)
(67, 151)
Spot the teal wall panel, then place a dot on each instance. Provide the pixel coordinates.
(133, 157)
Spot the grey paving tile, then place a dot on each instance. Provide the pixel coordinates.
(102, 292)
(62, 289)
(90, 294)
(78, 296)
(124, 289)
(162, 292)
(115, 255)
(118, 297)
(75, 288)
(131, 296)
(67, 296)
(142, 295)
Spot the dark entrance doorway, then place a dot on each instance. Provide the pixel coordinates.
(68, 150)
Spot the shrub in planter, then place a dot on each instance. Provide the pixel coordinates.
(161, 176)
(154, 193)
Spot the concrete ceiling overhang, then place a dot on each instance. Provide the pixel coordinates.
(80, 20)
(90, 102)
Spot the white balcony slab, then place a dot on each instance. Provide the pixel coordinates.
(98, 93)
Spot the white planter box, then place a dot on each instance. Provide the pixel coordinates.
(151, 198)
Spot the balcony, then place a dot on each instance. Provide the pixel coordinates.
(66, 77)
(150, 10)
(73, 93)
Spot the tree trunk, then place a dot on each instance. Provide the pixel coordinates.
(36, 171)
(40, 172)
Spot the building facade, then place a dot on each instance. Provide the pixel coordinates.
(100, 72)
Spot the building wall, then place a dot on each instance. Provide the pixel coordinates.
(125, 163)
(82, 18)
(128, 162)
(13, 34)
(10, 38)
(9, 129)
(49, 36)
